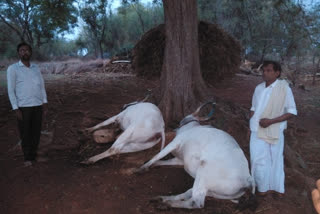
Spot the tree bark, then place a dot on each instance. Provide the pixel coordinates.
(182, 86)
(315, 72)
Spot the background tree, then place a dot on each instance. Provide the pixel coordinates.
(271, 28)
(8, 42)
(36, 21)
(284, 30)
(315, 39)
(94, 14)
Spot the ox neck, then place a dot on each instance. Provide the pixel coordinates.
(188, 122)
(130, 104)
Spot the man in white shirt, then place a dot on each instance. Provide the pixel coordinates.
(28, 98)
(266, 155)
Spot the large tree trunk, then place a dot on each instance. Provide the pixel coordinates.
(182, 86)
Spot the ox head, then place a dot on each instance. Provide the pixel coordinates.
(195, 116)
(105, 135)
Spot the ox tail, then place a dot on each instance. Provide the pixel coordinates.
(248, 200)
(163, 139)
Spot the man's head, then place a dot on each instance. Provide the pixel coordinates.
(24, 51)
(271, 71)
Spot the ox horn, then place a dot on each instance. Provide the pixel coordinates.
(195, 114)
(147, 97)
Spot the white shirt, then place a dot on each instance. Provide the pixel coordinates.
(260, 100)
(25, 86)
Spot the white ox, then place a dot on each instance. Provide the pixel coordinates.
(209, 155)
(143, 127)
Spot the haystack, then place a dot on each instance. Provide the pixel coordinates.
(219, 52)
(117, 68)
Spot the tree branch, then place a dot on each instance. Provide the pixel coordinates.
(11, 26)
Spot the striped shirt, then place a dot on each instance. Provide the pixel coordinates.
(25, 86)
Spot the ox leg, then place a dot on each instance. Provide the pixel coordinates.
(171, 162)
(135, 147)
(171, 147)
(122, 140)
(181, 197)
(139, 141)
(197, 200)
(104, 123)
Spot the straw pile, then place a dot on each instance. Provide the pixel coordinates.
(219, 52)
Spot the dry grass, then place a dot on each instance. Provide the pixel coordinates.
(73, 66)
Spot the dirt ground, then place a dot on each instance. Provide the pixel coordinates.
(62, 185)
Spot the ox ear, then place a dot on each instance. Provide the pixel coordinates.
(145, 99)
(205, 118)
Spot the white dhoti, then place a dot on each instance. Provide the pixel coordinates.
(267, 166)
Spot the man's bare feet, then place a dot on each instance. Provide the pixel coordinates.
(316, 197)
(262, 194)
(275, 194)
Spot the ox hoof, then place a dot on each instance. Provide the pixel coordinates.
(87, 162)
(157, 199)
(162, 206)
(140, 170)
(88, 130)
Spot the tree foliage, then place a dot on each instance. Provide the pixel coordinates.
(281, 28)
(278, 28)
(95, 15)
(35, 21)
(121, 29)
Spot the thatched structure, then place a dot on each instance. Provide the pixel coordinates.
(219, 52)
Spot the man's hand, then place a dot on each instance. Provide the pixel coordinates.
(264, 122)
(316, 197)
(18, 114)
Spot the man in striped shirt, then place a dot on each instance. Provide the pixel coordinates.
(28, 98)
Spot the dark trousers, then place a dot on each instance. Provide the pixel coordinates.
(30, 130)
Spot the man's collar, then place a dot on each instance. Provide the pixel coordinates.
(272, 85)
(23, 65)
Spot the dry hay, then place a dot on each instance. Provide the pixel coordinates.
(72, 66)
(148, 53)
(219, 52)
(117, 68)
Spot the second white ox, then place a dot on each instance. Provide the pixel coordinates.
(209, 155)
(143, 127)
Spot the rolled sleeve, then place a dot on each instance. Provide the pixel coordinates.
(292, 111)
(290, 105)
(254, 101)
